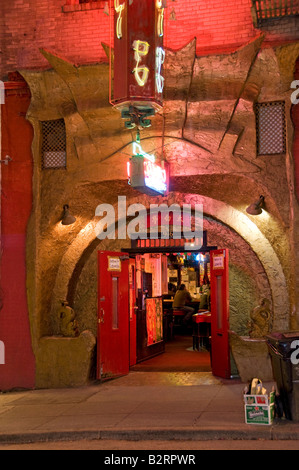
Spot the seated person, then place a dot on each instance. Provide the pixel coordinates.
(205, 297)
(182, 297)
(204, 302)
(171, 292)
(171, 289)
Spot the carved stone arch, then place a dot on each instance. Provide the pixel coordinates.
(79, 250)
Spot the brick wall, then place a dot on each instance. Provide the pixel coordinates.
(28, 25)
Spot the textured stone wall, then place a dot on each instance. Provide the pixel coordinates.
(207, 127)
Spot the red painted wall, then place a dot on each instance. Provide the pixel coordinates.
(16, 205)
(77, 35)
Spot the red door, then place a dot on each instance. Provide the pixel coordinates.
(220, 313)
(113, 315)
(133, 311)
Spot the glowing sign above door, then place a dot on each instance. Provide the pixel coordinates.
(155, 177)
(138, 80)
(145, 175)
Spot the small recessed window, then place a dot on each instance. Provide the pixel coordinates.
(264, 11)
(271, 128)
(53, 144)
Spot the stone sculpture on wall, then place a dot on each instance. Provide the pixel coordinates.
(260, 324)
(68, 323)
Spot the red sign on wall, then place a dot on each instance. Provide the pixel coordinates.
(138, 54)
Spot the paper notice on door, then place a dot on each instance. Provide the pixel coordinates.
(218, 262)
(114, 263)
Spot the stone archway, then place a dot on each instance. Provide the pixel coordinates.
(234, 219)
(52, 367)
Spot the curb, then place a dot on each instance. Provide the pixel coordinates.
(205, 434)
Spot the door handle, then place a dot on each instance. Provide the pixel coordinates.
(101, 316)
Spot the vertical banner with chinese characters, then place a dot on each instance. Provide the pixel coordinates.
(138, 53)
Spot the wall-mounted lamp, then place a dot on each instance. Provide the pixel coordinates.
(256, 207)
(67, 218)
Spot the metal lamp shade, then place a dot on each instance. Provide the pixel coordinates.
(67, 219)
(256, 207)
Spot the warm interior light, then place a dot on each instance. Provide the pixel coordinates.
(256, 207)
(67, 218)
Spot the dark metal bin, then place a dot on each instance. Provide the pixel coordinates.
(285, 370)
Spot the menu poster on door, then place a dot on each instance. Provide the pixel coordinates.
(114, 263)
(154, 321)
(218, 261)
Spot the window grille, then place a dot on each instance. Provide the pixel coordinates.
(53, 144)
(264, 10)
(271, 128)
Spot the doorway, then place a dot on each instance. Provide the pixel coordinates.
(157, 341)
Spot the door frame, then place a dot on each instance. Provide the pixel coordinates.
(113, 355)
(220, 349)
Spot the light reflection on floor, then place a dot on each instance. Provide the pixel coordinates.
(167, 378)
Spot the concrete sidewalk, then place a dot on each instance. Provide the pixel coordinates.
(141, 406)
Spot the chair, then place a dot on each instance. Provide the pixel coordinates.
(201, 330)
(168, 325)
(178, 315)
(167, 317)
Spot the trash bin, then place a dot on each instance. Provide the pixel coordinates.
(285, 370)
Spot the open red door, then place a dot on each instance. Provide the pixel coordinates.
(113, 315)
(220, 313)
(133, 311)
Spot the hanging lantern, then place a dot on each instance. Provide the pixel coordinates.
(138, 82)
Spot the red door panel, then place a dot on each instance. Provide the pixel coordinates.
(133, 311)
(219, 260)
(113, 315)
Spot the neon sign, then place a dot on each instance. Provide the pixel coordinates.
(139, 56)
(119, 9)
(160, 57)
(137, 150)
(155, 177)
(141, 49)
(160, 21)
(146, 175)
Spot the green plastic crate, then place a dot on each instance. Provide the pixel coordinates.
(259, 414)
